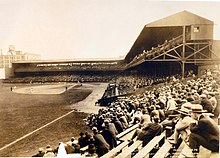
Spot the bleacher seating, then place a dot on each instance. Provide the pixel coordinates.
(158, 147)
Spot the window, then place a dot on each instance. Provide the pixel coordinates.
(196, 29)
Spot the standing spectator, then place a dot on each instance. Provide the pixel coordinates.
(204, 132)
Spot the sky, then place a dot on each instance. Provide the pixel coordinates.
(69, 29)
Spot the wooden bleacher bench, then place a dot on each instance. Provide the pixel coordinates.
(168, 149)
(120, 135)
(162, 152)
(146, 149)
(204, 153)
(116, 150)
(178, 150)
(128, 151)
(127, 136)
(84, 149)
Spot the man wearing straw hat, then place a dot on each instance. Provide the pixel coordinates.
(182, 126)
(204, 132)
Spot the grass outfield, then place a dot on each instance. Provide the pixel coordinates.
(21, 114)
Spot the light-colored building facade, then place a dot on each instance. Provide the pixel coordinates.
(12, 55)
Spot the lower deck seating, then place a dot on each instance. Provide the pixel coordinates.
(116, 150)
(146, 149)
(128, 151)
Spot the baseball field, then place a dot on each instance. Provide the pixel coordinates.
(33, 116)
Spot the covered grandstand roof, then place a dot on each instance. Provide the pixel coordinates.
(70, 60)
(167, 28)
(180, 19)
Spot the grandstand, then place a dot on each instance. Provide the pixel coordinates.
(165, 47)
(176, 44)
(166, 51)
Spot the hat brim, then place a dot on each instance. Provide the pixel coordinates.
(201, 111)
(184, 113)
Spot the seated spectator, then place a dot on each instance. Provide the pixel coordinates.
(118, 124)
(49, 152)
(182, 126)
(82, 140)
(137, 116)
(149, 132)
(77, 148)
(69, 148)
(123, 120)
(109, 137)
(101, 145)
(206, 104)
(111, 127)
(40, 153)
(213, 100)
(145, 118)
(92, 151)
(88, 138)
(74, 141)
(204, 132)
(171, 106)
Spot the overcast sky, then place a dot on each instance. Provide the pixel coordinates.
(67, 29)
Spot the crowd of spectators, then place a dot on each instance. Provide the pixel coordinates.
(126, 84)
(168, 105)
(61, 77)
(165, 105)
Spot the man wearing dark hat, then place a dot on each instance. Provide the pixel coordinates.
(182, 126)
(204, 132)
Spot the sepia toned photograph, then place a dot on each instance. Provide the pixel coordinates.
(109, 78)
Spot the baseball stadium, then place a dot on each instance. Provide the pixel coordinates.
(131, 107)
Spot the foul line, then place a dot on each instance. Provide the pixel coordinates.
(35, 131)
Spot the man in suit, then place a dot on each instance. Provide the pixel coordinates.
(148, 132)
(182, 126)
(101, 145)
(204, 132)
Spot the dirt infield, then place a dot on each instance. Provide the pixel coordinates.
(43, 89)
(22, 113)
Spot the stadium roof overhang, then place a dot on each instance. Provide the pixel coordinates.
(68, 61)
(164, 29)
